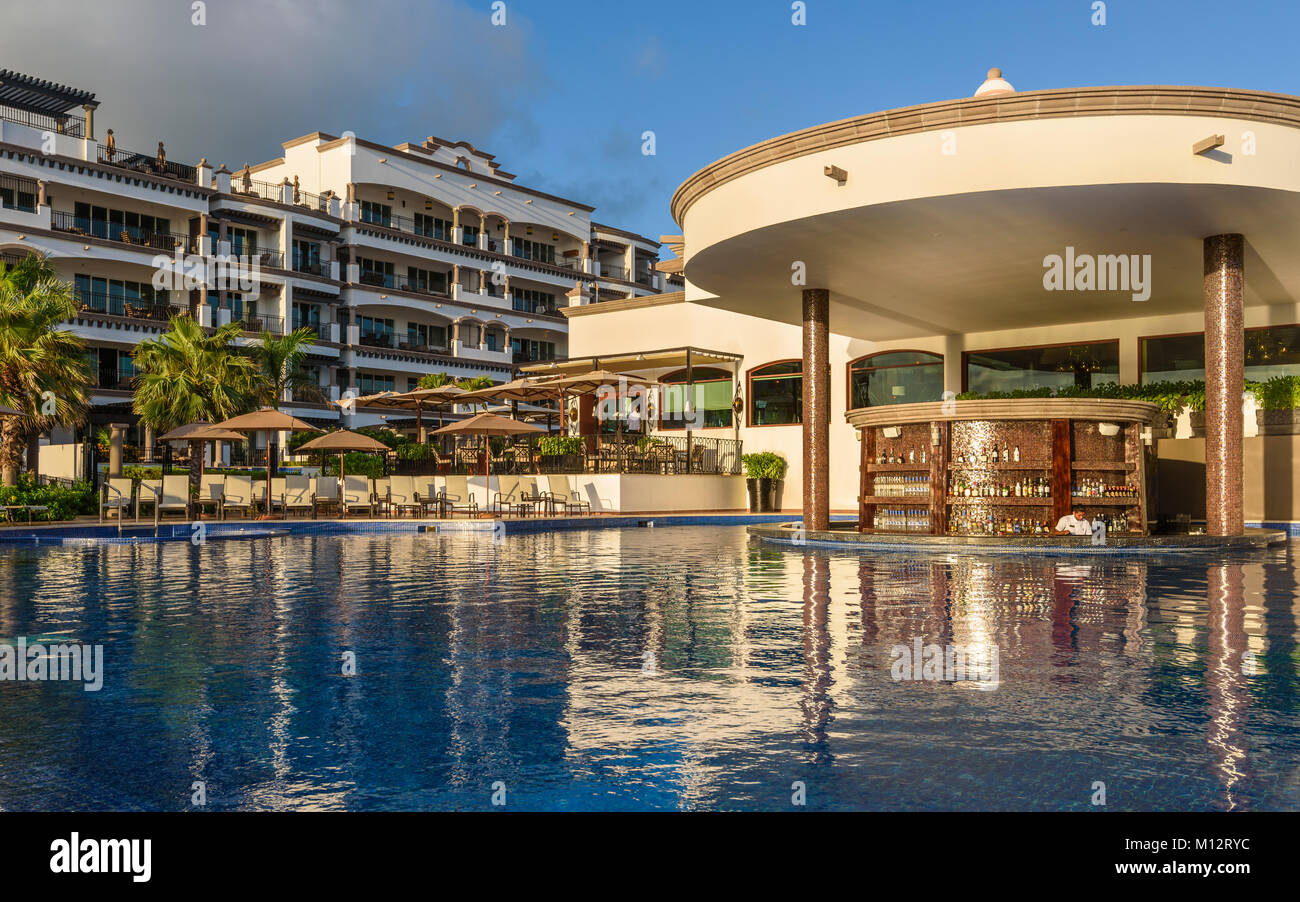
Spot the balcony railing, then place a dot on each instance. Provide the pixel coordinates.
(146, 163)
(376, 341)
(62, 125)
(610, 271)
(275, 192)
(259, 322)
(378, 279)
(62, 221)
(101, 302)
(18, 193)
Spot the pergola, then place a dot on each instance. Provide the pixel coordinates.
(47, 98)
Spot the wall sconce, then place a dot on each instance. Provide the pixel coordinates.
(391, 195)
(1108, 428)
(555, 236)
(428, 205)
(892, 431)
(528, 231)
(935, 435)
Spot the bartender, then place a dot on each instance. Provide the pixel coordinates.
(1073, 524)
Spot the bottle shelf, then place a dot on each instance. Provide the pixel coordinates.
(898, 468)
(920, 502)
(1009, 500)
(1104, 501)
(1034, 467)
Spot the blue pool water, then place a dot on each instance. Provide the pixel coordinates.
(630, 669)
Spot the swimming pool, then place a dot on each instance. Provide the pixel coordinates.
(627, 669)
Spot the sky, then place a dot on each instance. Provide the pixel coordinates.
(564, 91)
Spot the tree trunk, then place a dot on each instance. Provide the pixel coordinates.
(11, 444)
(196, 463)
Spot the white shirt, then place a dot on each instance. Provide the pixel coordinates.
(1074, 526)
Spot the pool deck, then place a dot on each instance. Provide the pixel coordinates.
(848, 538)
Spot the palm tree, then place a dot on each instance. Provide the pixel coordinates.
(280, 370)
(185, 375)
(475, 383)
(43, 371)
(435, 380)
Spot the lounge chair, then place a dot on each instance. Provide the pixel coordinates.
(298, 495)
(148, 492)
(457, 498)
(212, 493)
(358, 494)
(561, 494)
(239, 495)
(428, 494)
(402, 495)
(381, 491)
(278, 488)
(118, 494)
(325, 496)
(506, 498)
(175, 497)
(530, 494)
(259, 496)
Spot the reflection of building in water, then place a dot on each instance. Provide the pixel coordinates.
(1225, 681)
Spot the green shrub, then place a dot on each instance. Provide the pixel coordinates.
(764, 465)
(1278, 393)
(64, 502)
(355, 463)
(555, 445)
(412, 451)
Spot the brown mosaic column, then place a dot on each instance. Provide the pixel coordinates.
(816, 409)
(1224, 282)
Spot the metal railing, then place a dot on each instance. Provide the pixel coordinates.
(146, 163)
(102, 302)
(275, 192)
(62, 221)
(658, 454)
(257, 322)
(610, 271)
(15, 189)
(65, 124)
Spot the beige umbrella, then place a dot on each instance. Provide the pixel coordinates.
(268, 420)
(488, 424)
(343, 441)
(586, 383)
(419, 400)
(201, 431)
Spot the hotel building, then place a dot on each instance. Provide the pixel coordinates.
(420, 258)
(897, 256)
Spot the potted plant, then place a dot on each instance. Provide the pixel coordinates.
(560, 453)
(764, 471)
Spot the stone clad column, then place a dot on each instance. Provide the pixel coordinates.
(1224, 283)
(116, 431)
(816, 409)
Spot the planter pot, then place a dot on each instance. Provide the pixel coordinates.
(767, 494)
(1289, 417)
(751, 485)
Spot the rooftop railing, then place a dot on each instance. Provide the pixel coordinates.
(273, 191)
(65, 124)
(149, 164)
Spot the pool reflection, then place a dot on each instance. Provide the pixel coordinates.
(650, 668)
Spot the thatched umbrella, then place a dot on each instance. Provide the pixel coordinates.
(267, 420)
(343, 441)
(488, 424)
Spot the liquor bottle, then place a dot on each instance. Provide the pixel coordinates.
(1006, 458)
(995, 454)
(1017, 454)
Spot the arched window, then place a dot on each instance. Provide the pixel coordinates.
(776, 394)
(710, 393)
(895, 377)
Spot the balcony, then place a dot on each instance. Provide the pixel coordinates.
(262, 322)
(63, 124)
(145, 163)
(611, 271)
(99, 302)
(167, 242)
(276, 194)
(18, 193)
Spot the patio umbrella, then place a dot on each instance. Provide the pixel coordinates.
(419, 400)
(586, 383)
(343, 441)
(488, 424)
(201, 431)
(6, 411)
(267, 420)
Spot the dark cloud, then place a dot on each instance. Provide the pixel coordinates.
(260, 72)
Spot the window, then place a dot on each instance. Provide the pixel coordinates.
(710, 392)
(895, 377)
(379, 214)
(532, 250)
(117, 296)
(527, 300)
(306, 256)
(1269, 351)
(306, 315)
(471, 235)
(17, 194)
(423, 337)
(375, 332)
(524, 349)
(1051, 366)
(425, 280)
(776, 394)
(103, 222)
(376, 272)
(372, 384)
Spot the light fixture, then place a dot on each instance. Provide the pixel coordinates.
(555, 236)
(1108, 428)
(934, 435)
(528, 231)
(391, 195)
(428, 205)
(892, 431)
